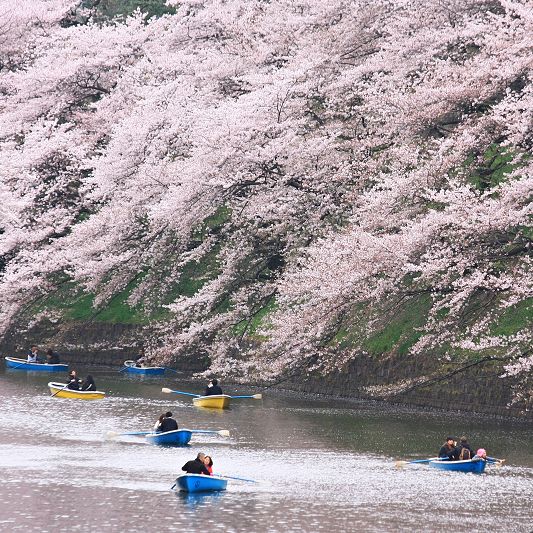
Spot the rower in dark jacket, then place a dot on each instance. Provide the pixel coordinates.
(463, 450)
(448, 449)
(73, 381)
(167, 423)
(213, 388)
(196, 466)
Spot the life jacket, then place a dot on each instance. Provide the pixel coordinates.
(465, 454)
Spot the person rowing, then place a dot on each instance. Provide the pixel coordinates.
(213, 388)
(166, 423)
(52, 358)
(464, 451)
(73, 381)
(196, 466)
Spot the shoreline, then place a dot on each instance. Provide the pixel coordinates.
(349, 401)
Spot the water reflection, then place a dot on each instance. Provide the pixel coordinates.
(319, 465)
(193, 500)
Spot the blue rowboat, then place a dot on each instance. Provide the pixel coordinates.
(477, 466)
(129, 366)
(200, 483)
(177, 437)
(22, 364)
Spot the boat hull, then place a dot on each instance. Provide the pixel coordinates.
(21, 364)
(149, 370)
(476, 466)
(57, 390)
(218, 401)
(177, 437)
(200, 483)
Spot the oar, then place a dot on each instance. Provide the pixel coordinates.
(399, 464)
(494, 461)
(172, 488)
(57, 392)
(238, 478)
(254, 396)
(113, 434)
(168, 391)
(20, 364)
(222, 432)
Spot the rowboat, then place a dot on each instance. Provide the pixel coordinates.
(129, 366)
(176, 437)
(200, 483)
(22, 364)
(217, 401)
(477, 466)
(59, 391)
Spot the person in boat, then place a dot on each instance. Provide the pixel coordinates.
(33, 355)
(140, 362)
(159, 421)
(52, 358)
(481, 454)
(88, 384)
(464, 451)
(213, 388)
(73, 381)
(449, 449)
(166, 423)
(208, 462)
(196, 466)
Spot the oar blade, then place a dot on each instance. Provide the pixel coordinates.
(400, 464)
(223, 433)
(166, 390)
(257, 396)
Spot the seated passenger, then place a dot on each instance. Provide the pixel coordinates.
(213, 388)
(464, 451)
(448, 449)
(208, 462)
(196, 466)
(167, 423)
(88, 384)
(33, 355)
(481, 454)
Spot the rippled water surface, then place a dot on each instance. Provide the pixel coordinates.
(319, 465)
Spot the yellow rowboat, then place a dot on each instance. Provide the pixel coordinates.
(217, 401)
(59, 391)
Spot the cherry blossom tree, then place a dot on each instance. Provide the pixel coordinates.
(270, 182)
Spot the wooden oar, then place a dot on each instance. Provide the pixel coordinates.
(168, 391)
(237, 478)
(254, 396)
(57, 392)
(20, 364)
(221, 432)
(399, 464)
(113, 434)
(494, 461)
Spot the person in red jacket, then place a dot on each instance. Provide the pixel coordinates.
(208, 462)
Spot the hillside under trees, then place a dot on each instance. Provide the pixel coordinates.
(278, 187)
